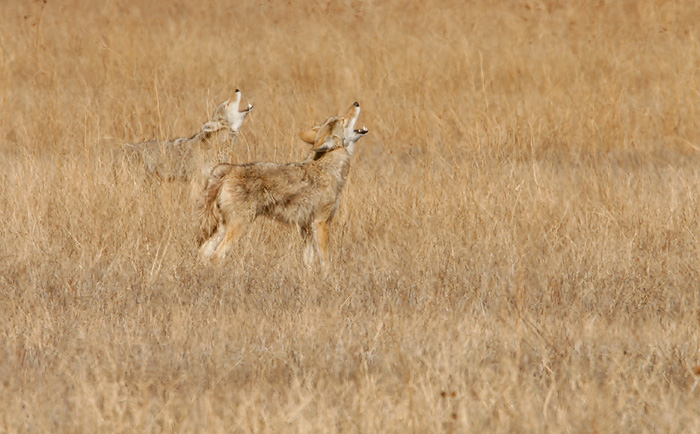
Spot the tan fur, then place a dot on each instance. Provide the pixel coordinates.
(305, 194)
(309, 136)
(179, 159)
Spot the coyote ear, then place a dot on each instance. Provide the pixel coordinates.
(212, 126)
(309, 136)
(331, 142)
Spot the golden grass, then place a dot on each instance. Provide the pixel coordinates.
(516, 249)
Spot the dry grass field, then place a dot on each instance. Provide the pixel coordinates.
(516, 250)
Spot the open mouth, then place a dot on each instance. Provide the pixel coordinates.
(247, 109)
(362, 130)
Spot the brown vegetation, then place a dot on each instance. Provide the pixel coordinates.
(516, 248)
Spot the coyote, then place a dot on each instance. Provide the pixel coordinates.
(305, 194)
(178, 159)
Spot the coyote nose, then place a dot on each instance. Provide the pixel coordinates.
(356, 104)
(236, 90)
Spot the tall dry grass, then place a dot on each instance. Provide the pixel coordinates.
(516, 249)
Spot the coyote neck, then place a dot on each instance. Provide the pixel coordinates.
(202, 138)
(335, 165)
(223, 155)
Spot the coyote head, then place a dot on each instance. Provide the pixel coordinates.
(228, 115)
(336, 132)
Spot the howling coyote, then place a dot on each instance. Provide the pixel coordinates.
(178, 159)
(305, 194)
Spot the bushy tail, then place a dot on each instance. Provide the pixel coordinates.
(208, 211)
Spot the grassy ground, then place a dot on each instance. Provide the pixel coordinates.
(516, 249)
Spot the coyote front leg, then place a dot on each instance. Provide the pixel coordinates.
(308, 236)
(322, 242)
(315, 237)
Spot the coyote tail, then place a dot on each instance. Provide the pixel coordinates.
(209, 214)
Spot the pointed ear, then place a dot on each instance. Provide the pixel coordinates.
(212, 126)
(309, 136)
(331, 142)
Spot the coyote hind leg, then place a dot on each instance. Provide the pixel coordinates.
(209, 246)
(235, 229)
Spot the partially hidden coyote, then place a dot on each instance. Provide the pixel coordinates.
(305, 194)
(181, 158)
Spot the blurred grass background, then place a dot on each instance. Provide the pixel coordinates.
(515, 249)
